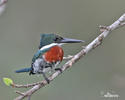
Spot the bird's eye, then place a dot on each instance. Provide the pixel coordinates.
(56, 39)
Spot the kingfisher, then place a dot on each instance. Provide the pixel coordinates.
(49, 54)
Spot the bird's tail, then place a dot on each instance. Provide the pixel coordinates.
(23, 70)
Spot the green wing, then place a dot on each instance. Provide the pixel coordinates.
(39, 53)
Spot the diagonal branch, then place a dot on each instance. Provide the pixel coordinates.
(95, 43)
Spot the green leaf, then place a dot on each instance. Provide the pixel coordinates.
(7, 81)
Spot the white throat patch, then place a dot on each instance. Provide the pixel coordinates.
(50, 45)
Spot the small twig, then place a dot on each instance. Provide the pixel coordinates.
(26, 86)
(20, 93)
(95, 43)
(68, 57)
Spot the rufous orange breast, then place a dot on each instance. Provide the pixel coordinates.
(54, 54)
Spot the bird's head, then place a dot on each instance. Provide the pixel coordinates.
(49, 38)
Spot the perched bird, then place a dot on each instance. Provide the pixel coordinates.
(49, 55)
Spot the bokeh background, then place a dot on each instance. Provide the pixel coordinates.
(99, 72)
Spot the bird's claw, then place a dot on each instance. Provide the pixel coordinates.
(58, 69)
(47, 80)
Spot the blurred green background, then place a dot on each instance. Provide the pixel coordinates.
(99, 72)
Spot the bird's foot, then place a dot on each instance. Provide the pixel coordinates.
(58, 69)
(47, 80)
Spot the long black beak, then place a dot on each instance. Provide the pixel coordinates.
(68, 40)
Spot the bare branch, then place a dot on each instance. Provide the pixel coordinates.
(96, 42)
(26, 86)
(29, 97)
(103, 28)
(3, 2)
(2, 6)
(122, 24)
